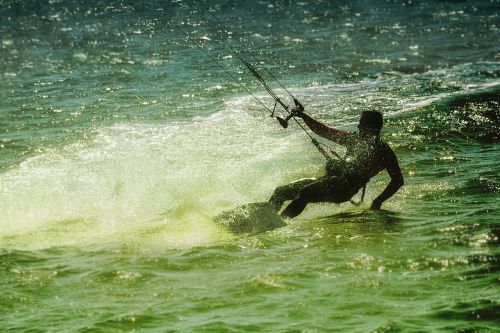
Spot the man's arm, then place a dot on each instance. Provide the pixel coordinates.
(330, 133)
(394, 185)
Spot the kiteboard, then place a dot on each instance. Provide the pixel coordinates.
(251, 218)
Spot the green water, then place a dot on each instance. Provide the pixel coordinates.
(120, 142)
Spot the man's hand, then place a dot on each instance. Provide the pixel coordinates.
(297, 112)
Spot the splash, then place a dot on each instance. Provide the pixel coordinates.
(156, 183)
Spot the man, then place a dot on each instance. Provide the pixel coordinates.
(366, 156)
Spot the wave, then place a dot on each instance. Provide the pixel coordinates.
(477, 310)
(481, 185)
(473, 116)
(476, 115)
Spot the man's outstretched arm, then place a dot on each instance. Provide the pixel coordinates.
(330, 133)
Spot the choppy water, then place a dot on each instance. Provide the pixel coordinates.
(120, 141)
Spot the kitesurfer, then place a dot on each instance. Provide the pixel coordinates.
(366, 156)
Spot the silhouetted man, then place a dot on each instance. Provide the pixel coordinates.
(366, 156)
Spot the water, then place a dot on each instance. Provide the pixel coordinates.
(120, 141)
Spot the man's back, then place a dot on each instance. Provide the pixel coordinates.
(366, 157)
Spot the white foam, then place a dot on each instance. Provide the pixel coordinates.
(171, 177)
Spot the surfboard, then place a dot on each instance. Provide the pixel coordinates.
(251, 218)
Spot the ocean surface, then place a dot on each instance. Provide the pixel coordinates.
(121, 140)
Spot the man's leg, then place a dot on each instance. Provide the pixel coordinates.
(288, 192)
(323, 190)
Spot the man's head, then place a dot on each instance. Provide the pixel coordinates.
(370, 123)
